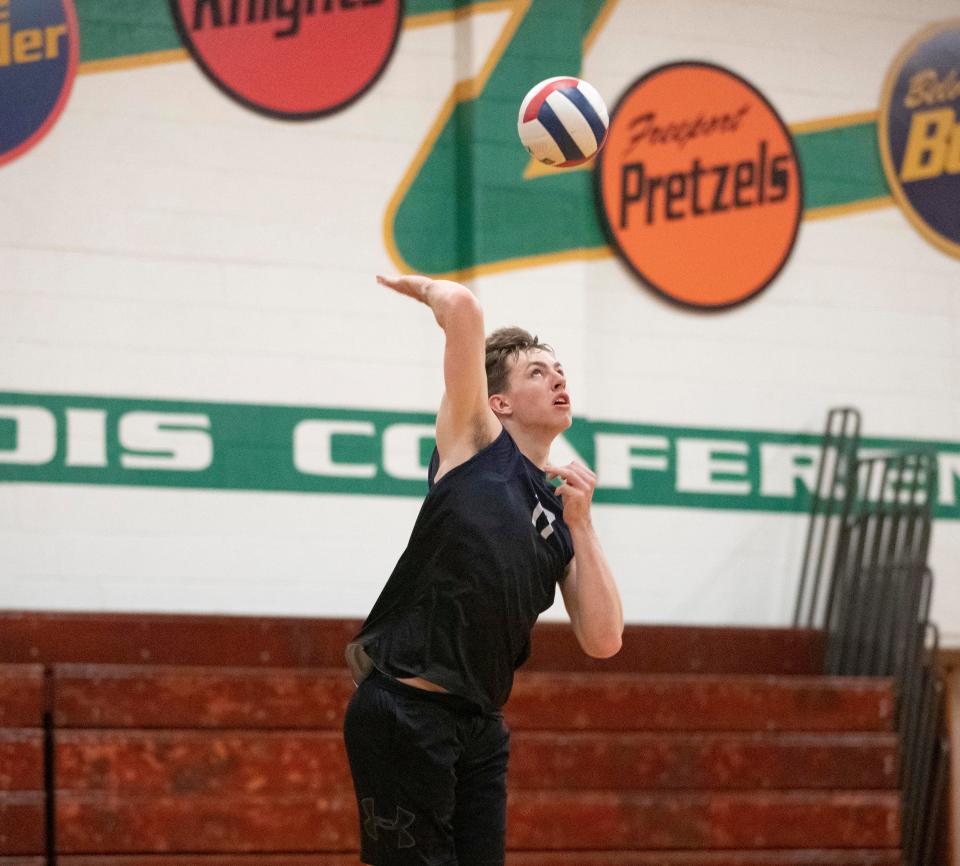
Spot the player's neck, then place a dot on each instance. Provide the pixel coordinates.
(533, 444)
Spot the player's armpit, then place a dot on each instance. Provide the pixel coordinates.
(457, 443)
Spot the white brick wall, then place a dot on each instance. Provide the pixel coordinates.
(162, 242)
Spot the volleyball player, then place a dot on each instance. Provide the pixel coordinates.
(434, 660)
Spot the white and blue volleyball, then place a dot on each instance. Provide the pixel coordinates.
(563, 121)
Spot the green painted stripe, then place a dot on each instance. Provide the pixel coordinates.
(254, 448)
(469, 204)
(426, 7)
(841, 166)
(117, 28)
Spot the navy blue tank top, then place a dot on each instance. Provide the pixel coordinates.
(482, 563)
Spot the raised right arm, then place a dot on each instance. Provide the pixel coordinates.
(465, 421)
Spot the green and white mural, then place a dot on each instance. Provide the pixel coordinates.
(216, 446)
(206, 403)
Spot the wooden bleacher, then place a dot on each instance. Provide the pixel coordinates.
(215, 741)
(22, 790)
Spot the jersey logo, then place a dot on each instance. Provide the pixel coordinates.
(543, 519)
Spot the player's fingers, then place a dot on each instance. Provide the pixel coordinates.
(411, 285)
(571, 482)
(396, 286)
(557, 471)
(585, 470)
(583, 473)
(576, 475)
(405, 284)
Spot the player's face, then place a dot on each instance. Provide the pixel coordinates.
(538, 391)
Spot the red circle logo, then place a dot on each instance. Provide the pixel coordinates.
(293, 59)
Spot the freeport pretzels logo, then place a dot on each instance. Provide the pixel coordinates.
(699, 185)
(39, 50)
(292, 59)
(919, 133)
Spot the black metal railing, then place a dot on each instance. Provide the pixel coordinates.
(924, 764)
(866, 582)
(829, 504)
(883, 539)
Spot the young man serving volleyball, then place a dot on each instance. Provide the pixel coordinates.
(434, 660)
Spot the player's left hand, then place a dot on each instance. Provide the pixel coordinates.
(576, 492)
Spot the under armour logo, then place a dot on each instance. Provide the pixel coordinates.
(543, 520)
(373, 823)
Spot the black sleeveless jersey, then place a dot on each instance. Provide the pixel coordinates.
(482, 563)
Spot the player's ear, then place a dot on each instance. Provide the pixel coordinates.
(500, 404)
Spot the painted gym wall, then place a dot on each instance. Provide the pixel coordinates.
(208, 405)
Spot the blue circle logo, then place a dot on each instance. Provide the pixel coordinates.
(39, 51)
(919, 133)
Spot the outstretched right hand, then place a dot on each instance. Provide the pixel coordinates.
(412, 285)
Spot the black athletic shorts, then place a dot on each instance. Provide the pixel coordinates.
(430, 772)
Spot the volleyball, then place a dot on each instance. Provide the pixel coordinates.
(563, 121)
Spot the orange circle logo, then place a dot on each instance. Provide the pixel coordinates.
(699, 185)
